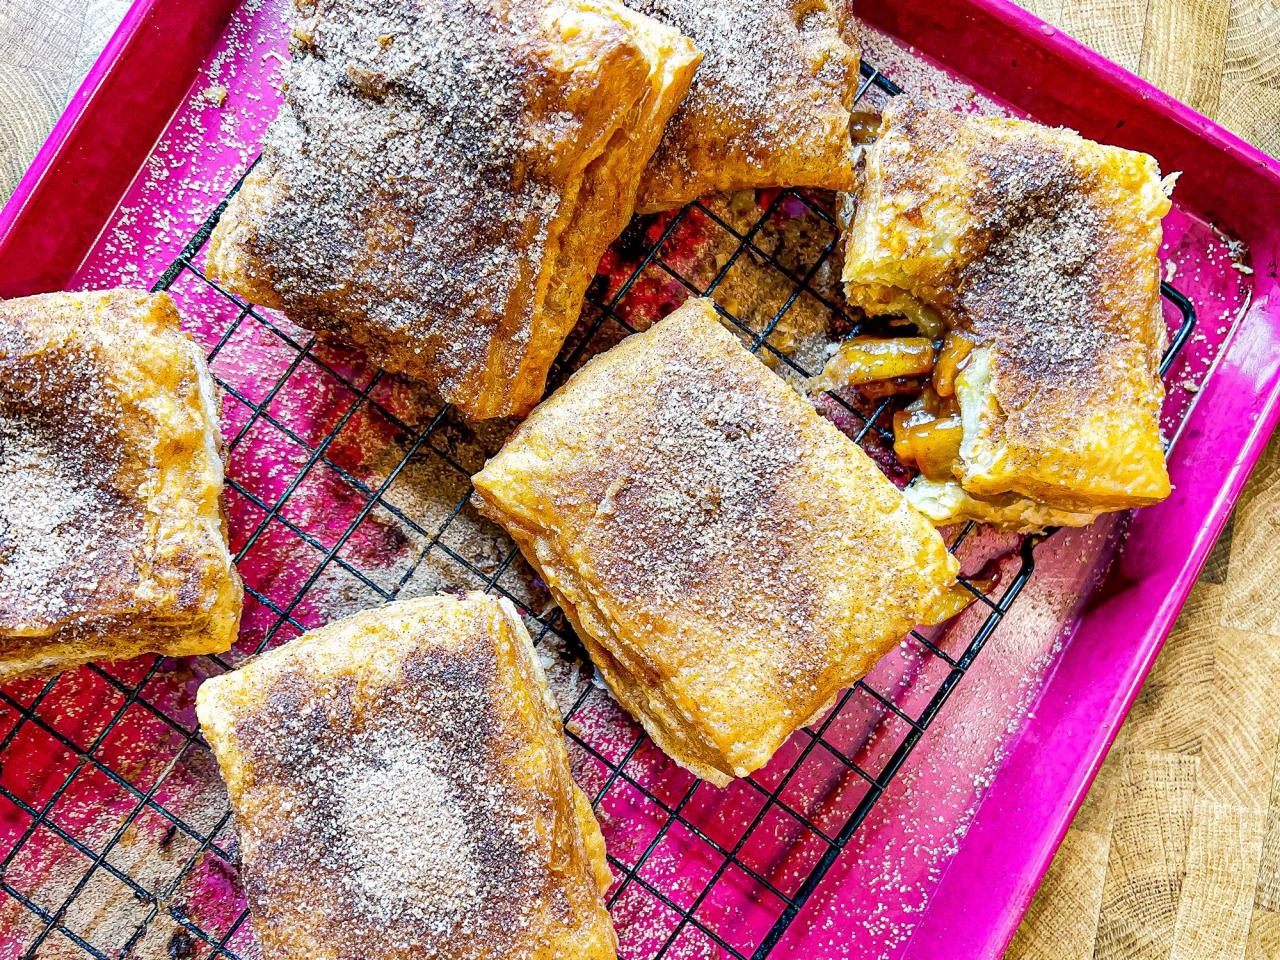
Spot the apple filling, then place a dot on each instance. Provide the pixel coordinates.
(863, 360)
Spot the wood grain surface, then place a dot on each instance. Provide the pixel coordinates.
(46, 48)
(1176, 853)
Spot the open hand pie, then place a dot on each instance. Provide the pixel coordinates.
(112, 540)
(401, 790)
(1036, 252)
(729, 558)
(769, 106)
(444, 177)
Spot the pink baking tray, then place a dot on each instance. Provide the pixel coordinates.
(946, 862)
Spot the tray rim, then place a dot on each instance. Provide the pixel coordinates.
(982, 896)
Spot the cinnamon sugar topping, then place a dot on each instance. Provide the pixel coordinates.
(400, 808)
(427, 189)
(769, 105)
(66, 524)
(380, 145)
(707, 501)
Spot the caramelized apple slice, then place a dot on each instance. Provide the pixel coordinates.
(930, 444)
(864, 126)
(951, 359)
(862, 360)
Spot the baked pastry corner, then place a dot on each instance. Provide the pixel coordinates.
(769, 106)
(444, 177)
(1035, 252)
(112, 536)
(730, 560)
(401, 790)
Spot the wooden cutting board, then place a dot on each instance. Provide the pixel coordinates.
(1176, 853)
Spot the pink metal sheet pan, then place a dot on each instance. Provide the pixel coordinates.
(947, 861)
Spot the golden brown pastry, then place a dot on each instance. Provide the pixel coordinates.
(112, 538)
(729, 558)
(401, 791)
(769, 106)
(1037, 251)
(444, 176)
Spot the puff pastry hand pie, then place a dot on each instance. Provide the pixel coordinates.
(729, 558)
(401, 791)
(112, 540)
(769, 106)
(444, 177)
(1037, 250)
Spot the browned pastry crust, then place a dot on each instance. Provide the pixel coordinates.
(112, 539)
(401, 791)
(769, 106)
(445, 175)
(729, 558)
(1042, 247)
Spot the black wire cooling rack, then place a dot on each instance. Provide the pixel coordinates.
(159, 912)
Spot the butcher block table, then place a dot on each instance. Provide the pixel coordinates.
(1175, 854)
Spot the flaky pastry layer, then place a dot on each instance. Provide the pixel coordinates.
(729, 558)
(401, 790)
(444, 176)
(112, 536)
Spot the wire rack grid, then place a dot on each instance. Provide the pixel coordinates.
(765, 852)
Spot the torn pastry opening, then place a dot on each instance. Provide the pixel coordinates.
(1028, 256)
(947, 379)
